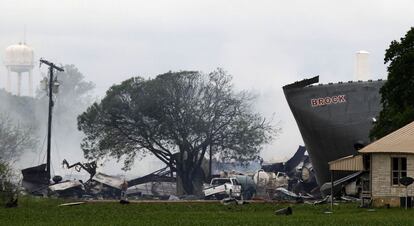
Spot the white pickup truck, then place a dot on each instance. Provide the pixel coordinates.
(222, 187)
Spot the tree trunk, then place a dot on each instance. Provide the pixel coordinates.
(189, 180)
(186, 183)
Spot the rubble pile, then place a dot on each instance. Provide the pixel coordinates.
(290, 181)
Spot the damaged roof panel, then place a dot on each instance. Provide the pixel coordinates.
(110, 181)
(65, 185)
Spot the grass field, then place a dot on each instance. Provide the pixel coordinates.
(39, 211)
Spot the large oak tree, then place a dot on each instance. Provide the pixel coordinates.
(178, 117)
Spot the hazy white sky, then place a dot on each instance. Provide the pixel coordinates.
(264, 44)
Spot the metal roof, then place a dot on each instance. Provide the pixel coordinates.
(348, 163)
(399, 141)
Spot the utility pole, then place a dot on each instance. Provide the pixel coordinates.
(210, 164)
(332, 191)
(51, 83)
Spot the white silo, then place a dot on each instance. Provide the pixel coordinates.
(362, 66)
(19, 59)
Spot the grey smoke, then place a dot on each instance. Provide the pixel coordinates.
(264, 44)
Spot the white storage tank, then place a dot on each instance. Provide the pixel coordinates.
(19, 58)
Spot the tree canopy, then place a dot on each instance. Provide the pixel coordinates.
(14, 139)
(74, 94)
(398, 91)
(73, 97)
(178, 117)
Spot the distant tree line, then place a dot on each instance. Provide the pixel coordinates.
(23, 119)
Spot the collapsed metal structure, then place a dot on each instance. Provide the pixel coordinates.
(99, 185)
(295, 175)
(299, 168)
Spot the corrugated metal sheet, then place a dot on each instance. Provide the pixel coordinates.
(326, 187)
(399, 141)
(112, 181)
(65, 185)
(349, 163)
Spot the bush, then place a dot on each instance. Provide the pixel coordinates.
(8, 191)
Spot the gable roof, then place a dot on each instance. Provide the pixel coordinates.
(399, 141)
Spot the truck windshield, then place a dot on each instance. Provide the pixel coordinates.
(220, 181)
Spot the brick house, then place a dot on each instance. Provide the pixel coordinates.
(388, 160)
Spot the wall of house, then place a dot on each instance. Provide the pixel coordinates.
(383, 192)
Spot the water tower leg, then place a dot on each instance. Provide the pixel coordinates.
(19, 83)
(8, 85)
(30, 83)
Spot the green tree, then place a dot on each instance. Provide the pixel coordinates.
(177, 117)
(74, 89)
(73, 97)
(14, 140)
(397, 94)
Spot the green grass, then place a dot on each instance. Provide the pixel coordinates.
(39, 211)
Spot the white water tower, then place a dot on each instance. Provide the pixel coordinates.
(362, 66)
(19, 59)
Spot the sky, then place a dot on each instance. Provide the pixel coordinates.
(264, 44)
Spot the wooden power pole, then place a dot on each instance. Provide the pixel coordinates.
(52, 67)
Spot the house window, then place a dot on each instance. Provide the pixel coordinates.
(399, 169)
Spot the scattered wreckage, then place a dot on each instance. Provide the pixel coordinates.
(71, 188)
(268, 182)
(35, 180)
(291, 181)
(349, 185)
(99, 185)
(299, 169)
(302, 184)
(162, 183)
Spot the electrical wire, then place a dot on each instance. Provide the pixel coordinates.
(40, 153)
